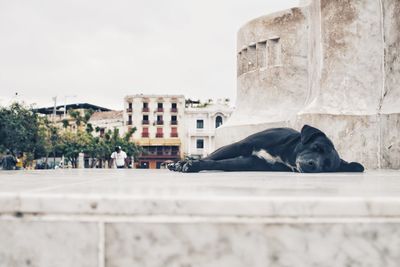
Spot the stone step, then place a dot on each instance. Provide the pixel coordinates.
(161, 218)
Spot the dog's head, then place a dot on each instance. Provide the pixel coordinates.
(317, 153)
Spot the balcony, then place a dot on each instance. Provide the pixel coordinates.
(174, 110)
(145, 110)
(129, 110)
(160, 122)
(174, 122)
(160, 109)
(129, 123)
(145, 134)
(145, 122)
(159, 135)
(174, 134)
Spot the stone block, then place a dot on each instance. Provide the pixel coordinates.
(48, 244)
(256, 245)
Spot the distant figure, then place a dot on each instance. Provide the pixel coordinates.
(20, 161)
(118, 157)
(8, 161)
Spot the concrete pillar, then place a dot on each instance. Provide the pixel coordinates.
(349, 82)
(81, 161)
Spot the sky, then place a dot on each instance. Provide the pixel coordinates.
(98, 51)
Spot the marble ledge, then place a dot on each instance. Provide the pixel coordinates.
(130, 194)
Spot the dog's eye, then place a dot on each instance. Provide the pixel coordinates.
(318, 148)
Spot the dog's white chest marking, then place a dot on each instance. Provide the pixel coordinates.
(263, 154)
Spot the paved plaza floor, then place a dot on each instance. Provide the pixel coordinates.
(144, 192)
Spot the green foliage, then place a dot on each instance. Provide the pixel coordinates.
(100, 149)
(65, 123)
(22, 130)
(19, 129)
(73, 143)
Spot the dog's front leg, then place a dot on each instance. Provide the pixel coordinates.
(236, 164)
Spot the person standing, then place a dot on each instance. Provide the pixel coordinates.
(20, 161)
(118, 158)
(8, 161)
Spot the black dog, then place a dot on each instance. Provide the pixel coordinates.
(278, 149)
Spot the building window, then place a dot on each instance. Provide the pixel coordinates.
(129, 119)
(145, 119)
(145, 107)
(174, 107)
(145, 132)
(200, 143)
(129, 107)
(218, 121)
(174, 120)
(160, 107)
(160, 120)
(159, 133)
(200, 124)
(175, 150)
(174, 132)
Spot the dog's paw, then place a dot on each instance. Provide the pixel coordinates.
(177, 166)
(171, 166)
(191, 166)
(356, 167)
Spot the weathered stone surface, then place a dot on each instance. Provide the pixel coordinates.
(344, 79)
(277, 77)
(352, 135)
(95, 217)
(256, 245)
(48, 244)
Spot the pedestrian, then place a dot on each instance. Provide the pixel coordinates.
(8, 161)
(119, 158)
(20, 161)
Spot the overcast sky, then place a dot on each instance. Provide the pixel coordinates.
(101, 50)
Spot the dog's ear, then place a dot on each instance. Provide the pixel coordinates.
(350, 167)
(308, 133)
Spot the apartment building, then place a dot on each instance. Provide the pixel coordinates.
(61, 114)
(159, 123)
(201, 120)
(107, 120)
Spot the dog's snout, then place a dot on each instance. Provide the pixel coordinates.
(327, 163)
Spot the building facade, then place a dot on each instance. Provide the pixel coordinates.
(61, 114)
(107, 120)
(201, 122)
(159, 123)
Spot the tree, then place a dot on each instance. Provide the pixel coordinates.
(99, 149)
(19, 129)
(73, 143)
(49, 139)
